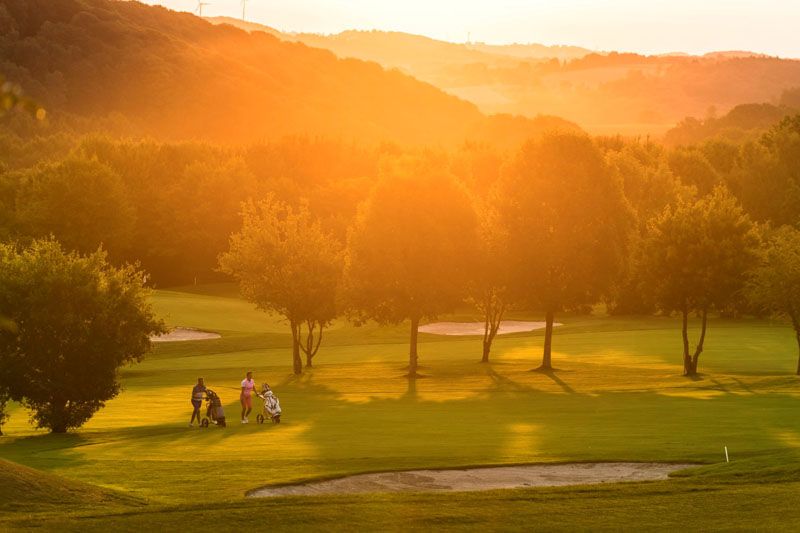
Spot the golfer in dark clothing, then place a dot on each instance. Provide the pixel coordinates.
(198, 393)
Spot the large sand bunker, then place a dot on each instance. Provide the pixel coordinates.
(477, 479)
(185, 334)
(477, 328)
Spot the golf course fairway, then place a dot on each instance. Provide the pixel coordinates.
(617, 396)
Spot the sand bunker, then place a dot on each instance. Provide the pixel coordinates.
(476, 328)
(185, 334)
(477, 479)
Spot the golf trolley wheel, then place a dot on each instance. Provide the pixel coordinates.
(204, 423)
(260, 419)
(276, 419)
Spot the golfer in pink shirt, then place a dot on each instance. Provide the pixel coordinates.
(248, 387)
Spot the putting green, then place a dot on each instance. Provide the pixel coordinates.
(617, 396)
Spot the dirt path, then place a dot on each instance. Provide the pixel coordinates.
(477, 479)
(476, 328)
(185, 334)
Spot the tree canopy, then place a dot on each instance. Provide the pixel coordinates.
(76, 321)
(286, 263)
(568, 224)
(80, 201)
(774, 285)
(696, 258)
(410, 251)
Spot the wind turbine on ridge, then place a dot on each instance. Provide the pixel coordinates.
(244, 10)
(200, 6)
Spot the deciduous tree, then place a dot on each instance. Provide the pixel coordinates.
(410, 251)
(287, 264)
(696, 257)
(77, 320)
(568, 225)
(774, 285)
(491, 280)
(79, 200)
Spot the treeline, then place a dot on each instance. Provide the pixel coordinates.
(634, 89)
(171, 207)
(562, 224)
(742, 123)
(314, 230)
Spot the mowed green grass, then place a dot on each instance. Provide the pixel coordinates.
(617, 395)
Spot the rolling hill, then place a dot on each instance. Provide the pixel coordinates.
(175, 76)
(603, 92)
(422, 57)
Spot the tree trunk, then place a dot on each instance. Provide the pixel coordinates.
(297, 362)
(309, 347)
(796, 324)
(687, 358)
(547, 359)
(690, 360)
(797, 336)
(58, 416)
(412, 352)
(494, 308)
(487, 328)
(700, 343)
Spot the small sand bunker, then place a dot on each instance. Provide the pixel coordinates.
(476, 328)
(477, 479)
(185, 334)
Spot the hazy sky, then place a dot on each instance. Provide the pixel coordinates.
(649, 26)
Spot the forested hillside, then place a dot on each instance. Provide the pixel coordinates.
(151, 71)
(640, 94)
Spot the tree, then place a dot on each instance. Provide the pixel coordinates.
(489, 286)
(695, 258)
(766, 179)
(287, 264)
(568, 225)
(77, 321)
(410, 252)
(478, 167)
(649, 186)
(79, 200)
(774, 285)
(693, 168)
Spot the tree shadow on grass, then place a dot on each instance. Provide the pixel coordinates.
(551, 373)
(743, 385)
(500, 420)
(503, 383)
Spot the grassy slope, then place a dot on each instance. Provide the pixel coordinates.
(617, 396)
(23, 489)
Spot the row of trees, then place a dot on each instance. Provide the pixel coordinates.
(172, 207)
(565, 223)
(554, 232)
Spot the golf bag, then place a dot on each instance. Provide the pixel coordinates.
(214, 412)
(272, 406)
